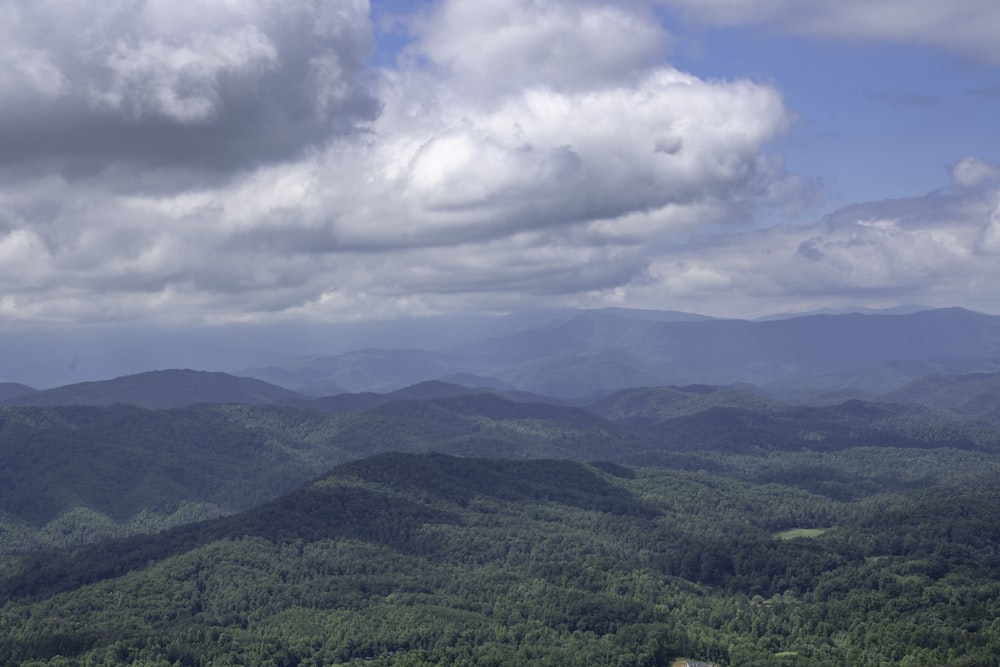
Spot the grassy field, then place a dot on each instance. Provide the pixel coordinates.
(800, 532)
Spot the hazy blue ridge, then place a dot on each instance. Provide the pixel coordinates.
(162, 389)
(11, 390)
(589, 353)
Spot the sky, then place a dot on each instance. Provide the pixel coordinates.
(271, 162)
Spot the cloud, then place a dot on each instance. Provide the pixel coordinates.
(989, 239)
(502, 46)
(542, 158)
(240, 161)
(194, 161)
(968, 27)
(940, 250)
(972, 172)
(181, 83)
(190, 83)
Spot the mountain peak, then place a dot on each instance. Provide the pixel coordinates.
(168, 388)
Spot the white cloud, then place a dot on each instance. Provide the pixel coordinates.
(554, 162)
(989, 240)
(973, 172)
(935, 250)
(544, 158)
(968, 27)
(499, 46)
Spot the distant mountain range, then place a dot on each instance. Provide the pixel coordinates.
(581, 356)
(590, 353)
(565, 353)
(895, 310)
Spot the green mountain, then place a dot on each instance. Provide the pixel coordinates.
(122, 460)
(429, 559)
(649, 405)
(429, 389)
(162, 389)
(974, 394)
(78, 474)
(74, 474)
(482, 425)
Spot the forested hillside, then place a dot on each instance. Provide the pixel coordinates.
(462, 527)
(73, 474)
(428, 559)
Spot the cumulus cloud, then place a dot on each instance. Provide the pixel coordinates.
(544, 158)
(937, 250)
(226, 161)
(187, 83)
(180, 82)
(501, 46)
(968, 27)
(973, 172)
(203, 161)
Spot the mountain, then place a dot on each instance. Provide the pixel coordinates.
(895, 310)
(974, 394)
(567, 349)
(429, 389)
(429, 559)
(585, 354)
(122, 460)
(9, 390)
(74, 474)
(367, 370)
(482, 425)
(48, 357)
(730, 351)
(650, 405)
(578, 373)
(162, 389)
(740, 430)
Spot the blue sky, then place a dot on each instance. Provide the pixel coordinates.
(207, 163)
(877, 120)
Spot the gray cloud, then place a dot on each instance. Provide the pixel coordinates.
(968, 27)
(192, 83)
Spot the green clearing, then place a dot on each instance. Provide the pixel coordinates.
(794, 533)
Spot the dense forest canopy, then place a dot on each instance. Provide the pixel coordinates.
(443, 525)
